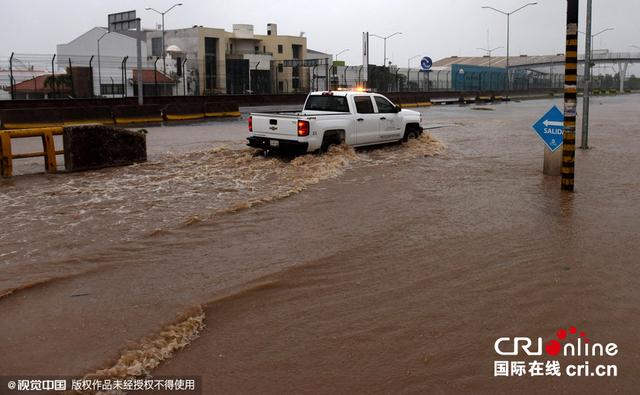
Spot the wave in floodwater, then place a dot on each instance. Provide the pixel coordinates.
(55, 217)
(138, 360)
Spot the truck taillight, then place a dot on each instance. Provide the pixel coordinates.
(303, 128)
(251, 124)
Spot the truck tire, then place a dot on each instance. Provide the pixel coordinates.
(329, 143)
(410, 134)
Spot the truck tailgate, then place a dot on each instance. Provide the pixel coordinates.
(275, 126)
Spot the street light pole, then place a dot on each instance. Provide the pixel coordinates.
(384, 62)
(99, 72)
(588, 50)
(409, 71)
(508, 14)
(164, 53)
(489, 50)
(409, 61)
(340, 53)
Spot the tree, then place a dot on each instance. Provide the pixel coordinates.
(53, 81)
(633, 82)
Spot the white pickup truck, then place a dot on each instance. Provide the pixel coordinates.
(330, 118)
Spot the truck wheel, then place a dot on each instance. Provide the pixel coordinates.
(410, 134)
(328, 144)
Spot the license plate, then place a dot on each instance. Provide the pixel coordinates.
(274, 143)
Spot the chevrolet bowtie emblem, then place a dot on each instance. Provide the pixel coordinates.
(273, 127)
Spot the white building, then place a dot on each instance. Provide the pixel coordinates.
(105, 53)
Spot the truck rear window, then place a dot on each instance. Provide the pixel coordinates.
(327, 103)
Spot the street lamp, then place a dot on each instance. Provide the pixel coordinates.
(384, 62)
(409, 71)
(340, 53)
(409, 61)
(634, 46)
(509, 14)
(588, 57)
(164, 54)
(99, 72)
(593, 35)
(489, 50)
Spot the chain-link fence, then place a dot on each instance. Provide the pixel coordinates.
(50, 76)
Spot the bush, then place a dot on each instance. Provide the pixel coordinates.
(613, 90)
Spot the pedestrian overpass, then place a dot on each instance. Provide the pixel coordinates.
(621, 59)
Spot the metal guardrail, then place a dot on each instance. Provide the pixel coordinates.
(49, 152)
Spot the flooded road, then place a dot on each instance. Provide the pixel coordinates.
(387, 270)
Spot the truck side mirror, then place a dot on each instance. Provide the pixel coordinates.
(397, 109)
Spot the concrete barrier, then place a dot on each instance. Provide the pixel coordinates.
(467, 98)
(134, 114)
(406, 101)
(87, 115)
(221, 109)
(423, 100)
(97, 146)
(484, 96)
(30, 118)
(174, 112)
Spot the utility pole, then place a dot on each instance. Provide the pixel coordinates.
(587, 81)
(570, 97)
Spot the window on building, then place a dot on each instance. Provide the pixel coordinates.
(296, 51)
(280, 68)
(210, 63)
(156, 46)
(111, 89)
(280, 49)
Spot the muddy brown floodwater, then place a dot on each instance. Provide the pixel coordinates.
(395, 270)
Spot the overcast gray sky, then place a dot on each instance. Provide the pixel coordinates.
(434, 28)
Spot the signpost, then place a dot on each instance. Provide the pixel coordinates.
(426, 63)
(550, 128)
